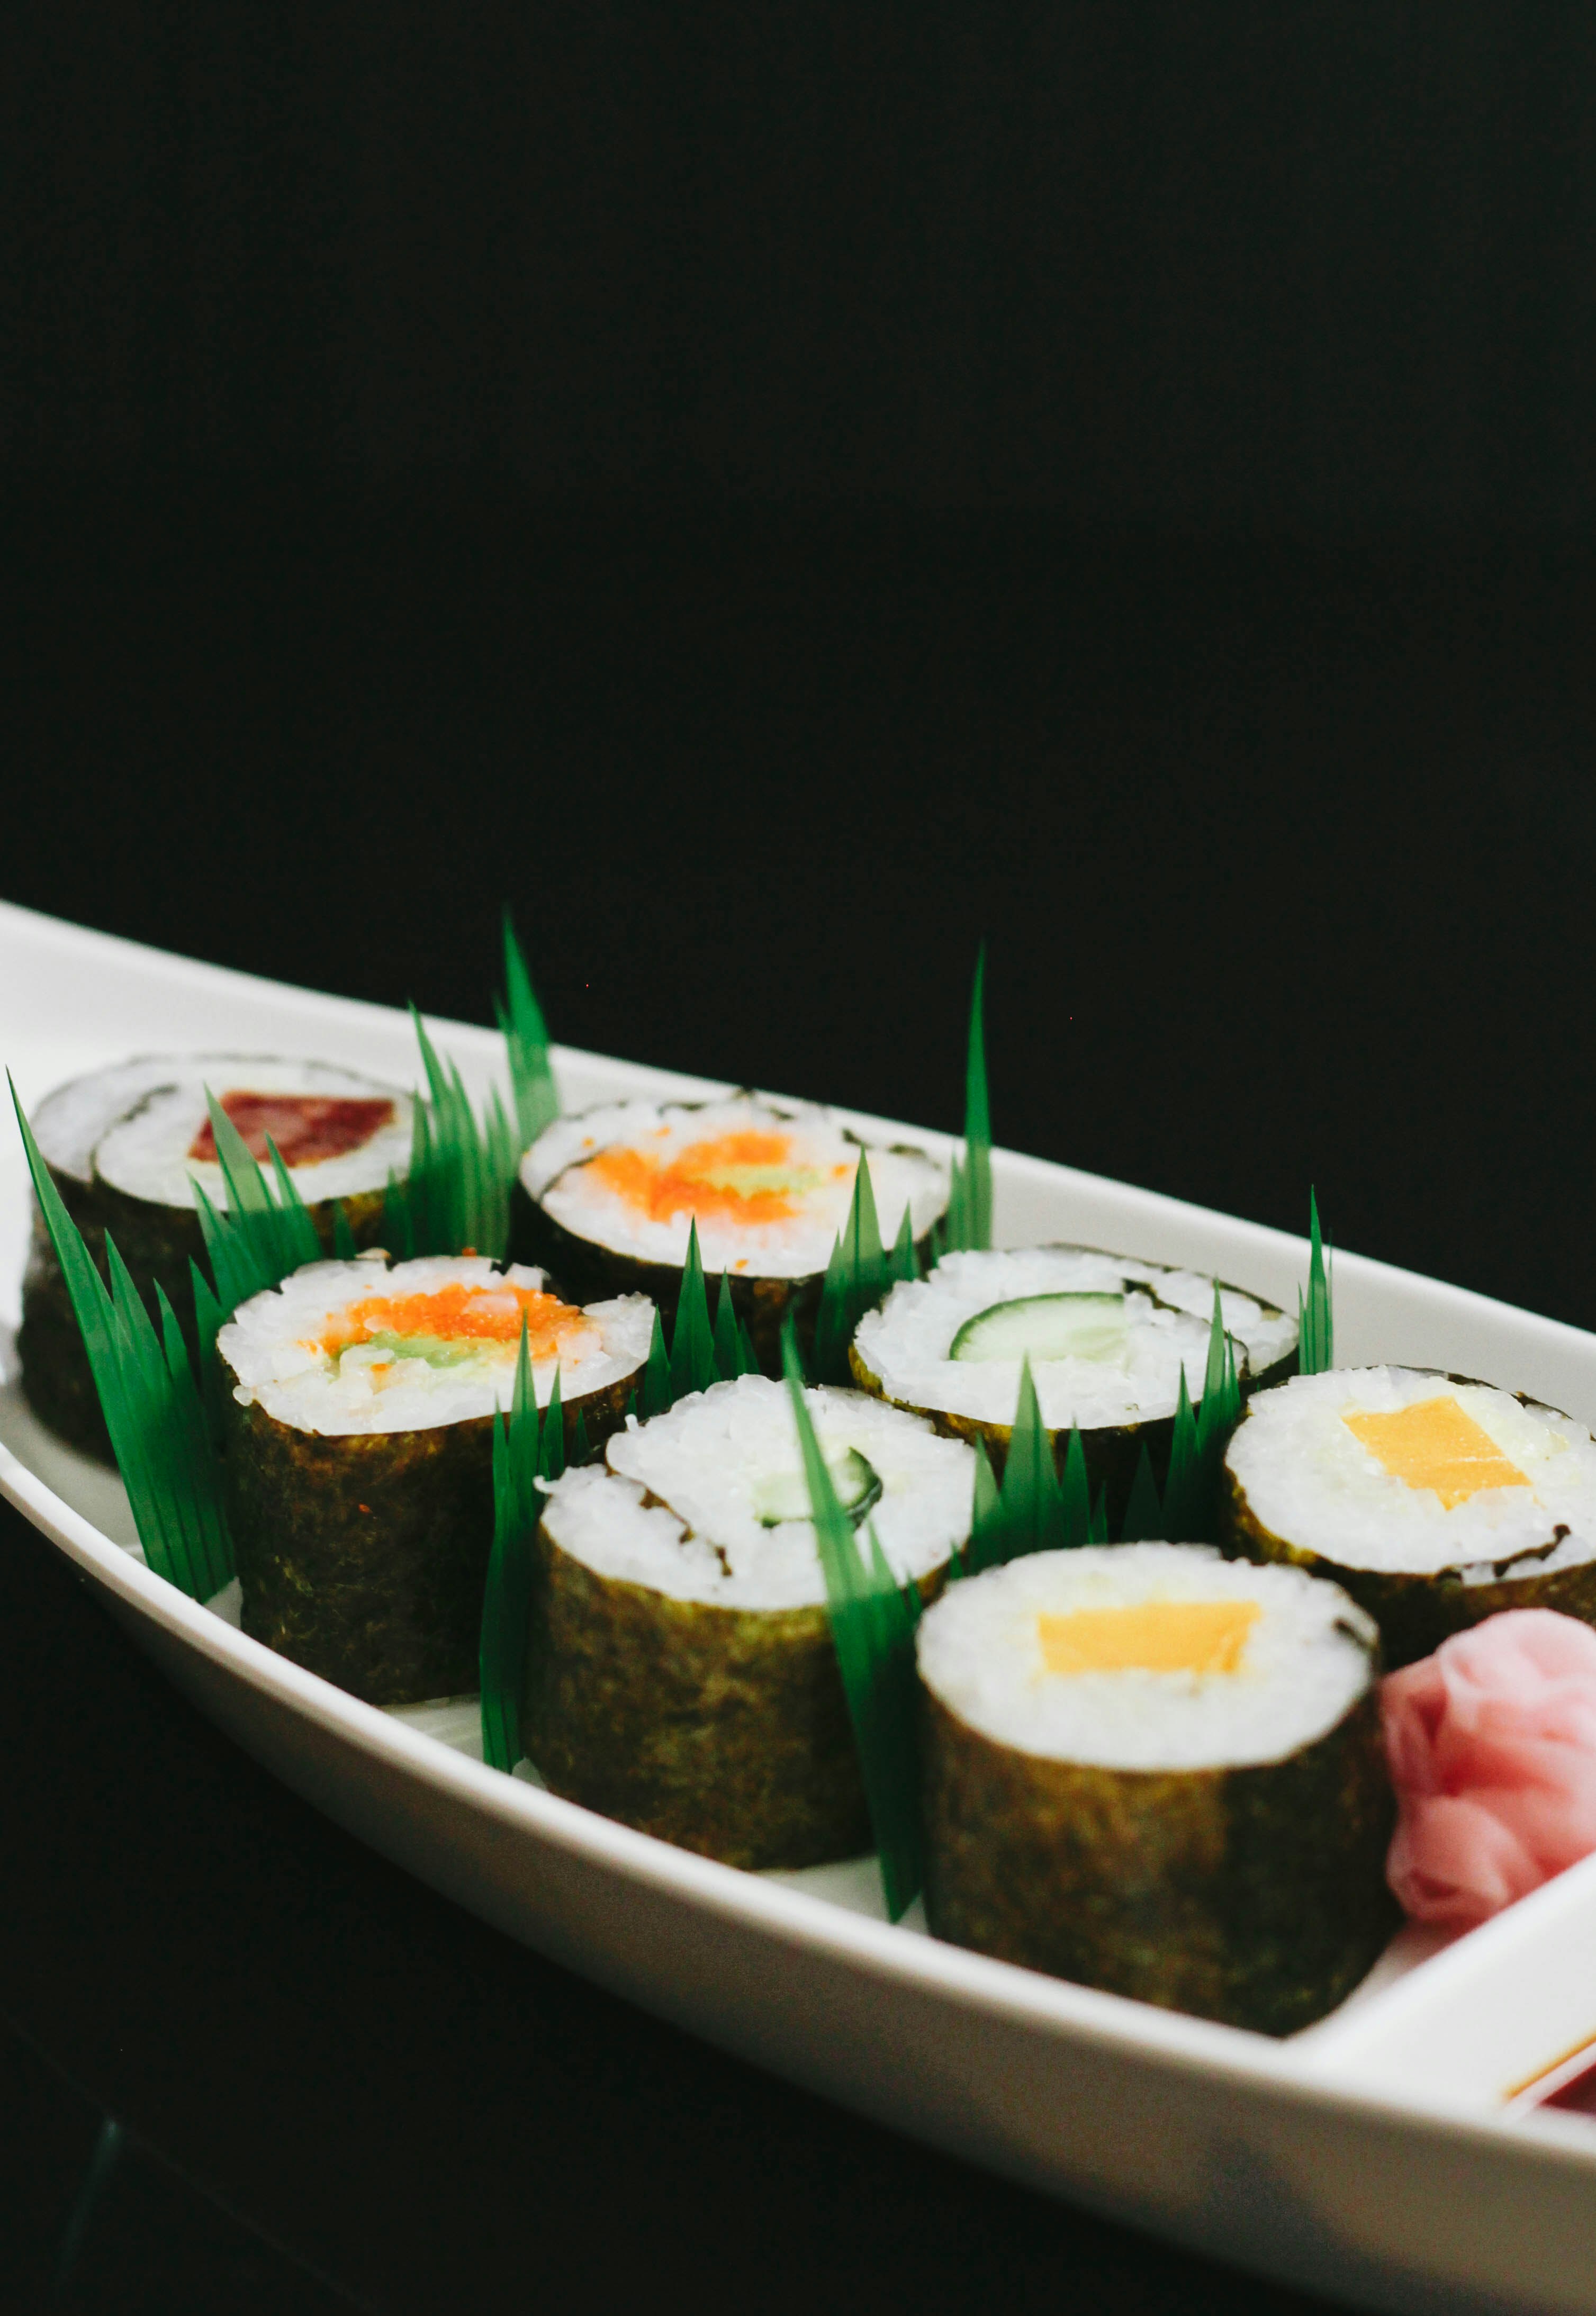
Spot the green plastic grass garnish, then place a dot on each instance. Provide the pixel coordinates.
(506, 1601)
(873, 1621)
(1197, 1451)
(1144, 1513)
(258, 1240)
(463, 1168)
(968, 1219)
(456, 1193)
(151, 1403)
(1033, 1509)
(526, 1041)
(526, 1450)
(859, 1275)
(734, 1346)
(693, 1365)
(1316, 1317)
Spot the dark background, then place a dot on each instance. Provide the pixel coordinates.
(776, 494)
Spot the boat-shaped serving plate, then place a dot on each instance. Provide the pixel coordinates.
(1390, 2156)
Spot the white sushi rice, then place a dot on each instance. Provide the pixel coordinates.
(554, 1174)
(1313, 1482)
(273, 1345)
(908, 1340)
(1305, 1661)
(145, 1153)
(711, 1460)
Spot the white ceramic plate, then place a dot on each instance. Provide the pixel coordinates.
(1376, 2157)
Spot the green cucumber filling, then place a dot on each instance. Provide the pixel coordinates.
(437, 1350)
(1045, 1327)
(782, 1496)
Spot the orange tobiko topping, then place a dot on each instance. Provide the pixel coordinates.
(461, 1314)
(747, 1177)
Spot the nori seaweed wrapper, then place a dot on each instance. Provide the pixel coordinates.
(1417, 1612)
(1254, 1895)
(364, 1555)
(724, 1731)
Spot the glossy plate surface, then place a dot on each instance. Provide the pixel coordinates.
(1377, 2157)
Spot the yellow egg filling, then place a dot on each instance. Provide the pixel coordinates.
(1149, 1636)
(1434, 1444)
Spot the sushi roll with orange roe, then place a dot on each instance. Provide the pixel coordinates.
(608, 1197)
(360, 1453)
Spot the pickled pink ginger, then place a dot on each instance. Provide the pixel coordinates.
(1492, 1748)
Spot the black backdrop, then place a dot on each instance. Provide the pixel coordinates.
(778, 494)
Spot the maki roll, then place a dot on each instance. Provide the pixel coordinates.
(359, 1453)
(681, 1674)
(124, 1147)
(1107, 1339)
(1159, 1772)
(607, 1198)
(1435, 1502)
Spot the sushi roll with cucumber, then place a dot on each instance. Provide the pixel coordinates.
(1158, 1772)
(1107, 1339)
(681, 1673)
(1434, 1501)
(359, 1453)
(124, 1147)
(607, 1199)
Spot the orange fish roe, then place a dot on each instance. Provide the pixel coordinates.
(748, 1177)
(459, 1313)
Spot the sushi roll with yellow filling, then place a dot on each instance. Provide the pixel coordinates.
(681, 1674)
(125, 1146)
(608, 1198)
(1108, 1338)
(1158, 1772)
(359, 1453)
(1435, 1502)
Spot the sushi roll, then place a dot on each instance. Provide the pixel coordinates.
(1159, 1772)
(359, 1453)
(1107, 1339)
(607, 1199)
(1435, 1502)
(681, 1674)
(124, 1146)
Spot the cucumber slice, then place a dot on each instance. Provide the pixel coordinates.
(437, 1350)
(782, 1496)
(1045, 1327)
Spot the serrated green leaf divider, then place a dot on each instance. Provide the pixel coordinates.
(693, 1365)
(655, 1395)
(1144, 1513)
(526, 1042)
(258, 1240)
(872, 1622)
(526, 1451)
(457, 1194)
(968, 1219)
(734, 1346)
(1316, 1317)
(1033, 1509)
(859, 1276)
(152, 1405)
(1197, 1450)
(506, 1601)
